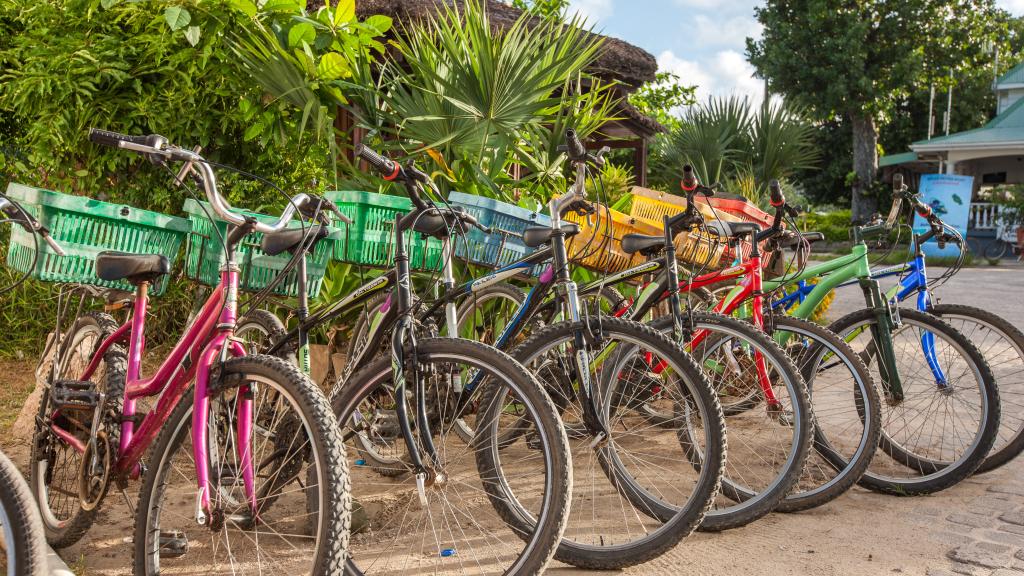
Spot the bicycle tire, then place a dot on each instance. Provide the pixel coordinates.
(65, 531)
(270, 329)
(934, 475)
(996, 249)
(539, 531)
(674, 524)
(751, 505)
(867, 408)
(332, 505)
(1010, 441)
(22, 527)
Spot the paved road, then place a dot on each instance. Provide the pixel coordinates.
(973, 529)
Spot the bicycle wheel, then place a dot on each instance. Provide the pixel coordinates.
(298, 520)
(55, 467)
(261, 328)
(20, 525)
(847, 411)
(769, 443)
(996, 249)
(636, 495)
(1002, 345)
(942, 429)
(481, 507)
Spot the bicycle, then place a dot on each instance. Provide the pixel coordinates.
(252, 444)
(1004, 243)
(639, 534)
(1000, 342)
(898, 344)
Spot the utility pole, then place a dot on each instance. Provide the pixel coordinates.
(949, 101)
(931, 112)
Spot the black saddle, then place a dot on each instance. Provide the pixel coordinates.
(732, 229)
(289, 240)
(537, 236)
(135, 268)
(646, 245)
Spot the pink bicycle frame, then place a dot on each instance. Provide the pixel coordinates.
(208, 336)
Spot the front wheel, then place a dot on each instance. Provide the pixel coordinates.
(20, 525)
(296, 520)
(496, 506)
(942, 428)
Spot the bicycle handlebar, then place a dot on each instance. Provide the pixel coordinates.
(157, 150)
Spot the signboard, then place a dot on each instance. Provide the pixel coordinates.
(950, 198)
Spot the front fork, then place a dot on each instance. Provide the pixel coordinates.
(887, 317)
(588, 398)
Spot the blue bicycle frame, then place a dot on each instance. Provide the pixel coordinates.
(913, 279)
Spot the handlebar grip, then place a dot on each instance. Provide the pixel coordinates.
(113, 139)
(923, 210)
(575, 148)
(897, 182)
(388, 168)
(689, 182)
(777, 197)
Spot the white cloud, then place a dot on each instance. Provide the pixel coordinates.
(593, 10)
(732, 32)
(725, 73)
(1016, 7)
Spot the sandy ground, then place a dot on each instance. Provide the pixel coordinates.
(861, 533)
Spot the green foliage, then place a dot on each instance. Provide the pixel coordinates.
(662, 98)
(1011, 198)
(305, 62)
(553, 9)
(138, 67)
(611, 184)
(728, 140)
(834, 224)
(481, 101)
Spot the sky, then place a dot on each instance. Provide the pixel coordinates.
(703, 41)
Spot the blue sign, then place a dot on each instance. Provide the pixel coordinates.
(950, 199)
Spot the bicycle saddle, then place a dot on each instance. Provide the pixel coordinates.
(646, 245)
(135, 268)
(536, 236)
(732, 229)
(289, 240)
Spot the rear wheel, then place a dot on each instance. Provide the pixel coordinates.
(637, 495)
(769, 442)
(942, 429)
(1002, 344)
(55, 466)
(847, 411)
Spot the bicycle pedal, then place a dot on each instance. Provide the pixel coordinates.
(173, 544)
(74, 395)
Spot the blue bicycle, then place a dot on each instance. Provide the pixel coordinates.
(1001, 343)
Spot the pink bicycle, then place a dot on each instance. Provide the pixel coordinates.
(246, 470)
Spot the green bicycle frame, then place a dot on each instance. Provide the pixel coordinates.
(854, 266)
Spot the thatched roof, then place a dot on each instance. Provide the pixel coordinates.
(618, 60)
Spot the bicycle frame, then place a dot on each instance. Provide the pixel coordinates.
(209, 336)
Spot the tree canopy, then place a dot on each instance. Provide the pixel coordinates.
(860, 60)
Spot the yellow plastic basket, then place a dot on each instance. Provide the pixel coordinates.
(654, 205)
(598, 246)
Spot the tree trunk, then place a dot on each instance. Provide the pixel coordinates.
(865, 165)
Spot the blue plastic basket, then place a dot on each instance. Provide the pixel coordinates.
(495, 250)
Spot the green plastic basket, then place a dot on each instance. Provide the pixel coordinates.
(372, 238)
(84, 227)
(204, 254)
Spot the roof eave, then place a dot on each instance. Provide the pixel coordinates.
(947, 146)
